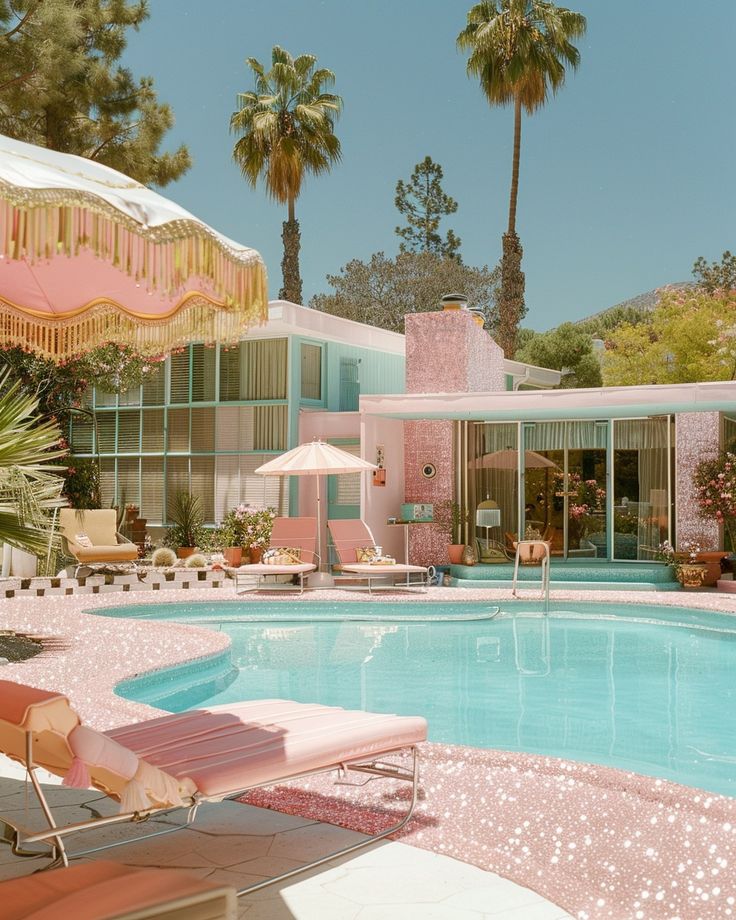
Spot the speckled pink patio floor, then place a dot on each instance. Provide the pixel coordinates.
(601, 843)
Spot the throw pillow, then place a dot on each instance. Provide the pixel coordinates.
(282, 555)
(365, 553)
(81, 539)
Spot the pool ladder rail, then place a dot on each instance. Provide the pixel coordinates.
(529, 548)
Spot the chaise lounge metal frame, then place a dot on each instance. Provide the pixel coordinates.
(55, 835)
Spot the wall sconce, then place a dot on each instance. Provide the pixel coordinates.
(379, 475)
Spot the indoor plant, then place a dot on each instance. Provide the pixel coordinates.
(715, 486)
(187, 519)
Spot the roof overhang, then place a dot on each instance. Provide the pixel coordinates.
(537, 405)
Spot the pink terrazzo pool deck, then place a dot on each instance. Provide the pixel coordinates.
(599, 842)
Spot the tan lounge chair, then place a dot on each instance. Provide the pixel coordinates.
(111, 891)
(298, 533)
(349, 536)
(185, 759)
(99, 526)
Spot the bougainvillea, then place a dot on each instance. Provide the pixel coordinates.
(715, 484)
(248, 526)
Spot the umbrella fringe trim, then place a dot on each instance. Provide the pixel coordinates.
(196, 318)
(164, 257)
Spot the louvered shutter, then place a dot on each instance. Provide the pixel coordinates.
(106, 432)
(230, 374)
(348, 484)
(128, 481)
(152, 437)
(152, 489)
(203, 429)
(203, 373)
(154, 386)
(129, 431)
(177, 478)
(107, 482)
(80, 434)
(177, 430)
(179, 373)
(203, 484)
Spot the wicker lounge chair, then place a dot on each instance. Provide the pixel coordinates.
(350, 536)
(299, 533)
(185, 759)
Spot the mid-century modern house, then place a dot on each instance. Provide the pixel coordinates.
(604, 473)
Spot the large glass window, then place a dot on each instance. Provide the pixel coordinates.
(642, 450)
(493, 492)
(163, 438)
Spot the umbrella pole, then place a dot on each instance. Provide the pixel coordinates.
(320, 578)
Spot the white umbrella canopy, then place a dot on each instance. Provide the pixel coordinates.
(316, 458)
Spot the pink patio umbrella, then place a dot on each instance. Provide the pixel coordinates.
(88, 255)
(509, 460)
(316, 458)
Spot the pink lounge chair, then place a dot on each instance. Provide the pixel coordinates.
(353, 534)
(185, 759)
(111, 891)
(299, 533)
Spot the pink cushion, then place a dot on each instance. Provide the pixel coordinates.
(232, 747)
(263, 568)
(103, 889)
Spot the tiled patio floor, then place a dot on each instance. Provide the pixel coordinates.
(237, 845)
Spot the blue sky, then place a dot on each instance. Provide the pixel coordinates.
(626, 176)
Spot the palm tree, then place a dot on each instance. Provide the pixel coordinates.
(519, 50)
(287, 127)
(30, 485)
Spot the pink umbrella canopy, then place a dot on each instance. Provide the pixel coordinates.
(509, 460)
(88, 256)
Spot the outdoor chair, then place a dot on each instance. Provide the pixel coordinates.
(97, 890)
(100, 541)
(299, 533)
(352, 536)
(184, 759)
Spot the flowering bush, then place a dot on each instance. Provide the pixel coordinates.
(247, 525)
(586, 498)
(715, 485)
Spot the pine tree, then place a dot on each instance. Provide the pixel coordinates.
(61, 86)
(423, 203)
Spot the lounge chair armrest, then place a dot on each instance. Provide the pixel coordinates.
(121, 538)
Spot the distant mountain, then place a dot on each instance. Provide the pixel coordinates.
(627, 309)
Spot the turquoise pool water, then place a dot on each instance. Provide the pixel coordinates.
(645, 688)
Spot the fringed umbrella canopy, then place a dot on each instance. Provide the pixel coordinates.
(88, 256)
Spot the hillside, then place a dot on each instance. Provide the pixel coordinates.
(627, 309)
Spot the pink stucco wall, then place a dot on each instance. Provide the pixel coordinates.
(697, 437)
(446, 352)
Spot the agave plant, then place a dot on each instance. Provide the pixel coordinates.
(30, 484)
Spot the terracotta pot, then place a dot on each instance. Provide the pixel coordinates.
(233, 555)
(455, 552)
(255, 552)
(712, 561)
(184, 551)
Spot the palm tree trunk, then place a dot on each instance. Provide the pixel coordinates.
(511, 301)
(515, 166)
(292, 282)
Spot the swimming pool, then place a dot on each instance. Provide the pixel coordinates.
(646, 688)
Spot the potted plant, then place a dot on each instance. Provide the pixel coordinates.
(688, 571)
(715, 486)
(187, 528)
(230, 538)
(250, 528)
(452, 518)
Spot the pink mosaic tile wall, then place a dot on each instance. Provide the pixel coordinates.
(697, 437)
(446, 352)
